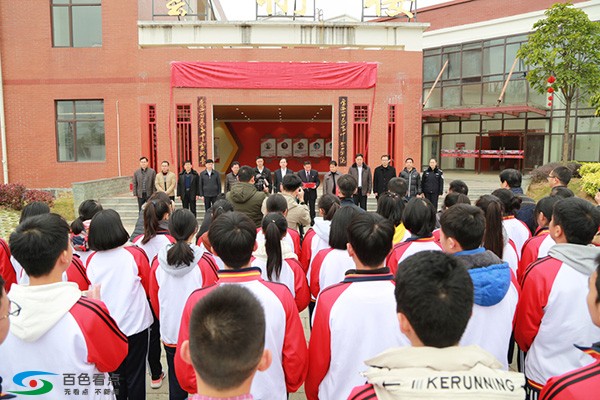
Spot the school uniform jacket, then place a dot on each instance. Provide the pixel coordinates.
(284, 336)
(154, 245)
(535, 248)
(7, 270)
(60, 332)
(315, 240)
(496, 293)
(353, 321)
(170, 286)
(76, 273)
(328, 268)
(292, 275)
(552, 314)
(517, 230)
(292, 239)
(406, 249)
(578, 384)
(123, 275)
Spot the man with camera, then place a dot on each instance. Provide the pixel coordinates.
(262, 176)
(245, 197)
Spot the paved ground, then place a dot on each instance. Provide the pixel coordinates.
(478, 184)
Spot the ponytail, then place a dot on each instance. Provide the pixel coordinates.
(182, 225)
(77, 226)
(154, 212)
(329, 204)
(274, 227)
(87, 210)
(493, 239)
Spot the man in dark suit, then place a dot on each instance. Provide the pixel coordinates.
(279, 174)
(187, 186)
(310, 183)
(262, 176)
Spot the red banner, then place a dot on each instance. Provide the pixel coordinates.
(273, 75)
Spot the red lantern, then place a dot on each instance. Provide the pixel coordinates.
(550, 98)
(551, 80)
(549, 104)
(550, 89)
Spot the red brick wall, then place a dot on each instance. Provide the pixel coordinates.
(35, 74)
(461, 12)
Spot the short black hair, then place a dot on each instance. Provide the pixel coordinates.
(165, 162)
(307, 162)
(187, 162)
(419, 217)
(465, 224)
(232, 237)
(398, 185)
(546, 206)
(453, 198)
(276, 203)
(386, 155)
(390, 205)
(359, 155)
(259, 157)
(434, 292)
(143, 158)
(562, 192)
(235, 163)
(338, 232)
(106, 231)
(578, 219)
(512, 177)
(38, 242)
(563, 174)
(210, 160)
(371, 238)
(333, 162)
(510, 202)
(291, 182)
(347, 185)
(87, 210)
(409, 158)
(458, 186)
(34, 208)
(246, 173)
(227, 336)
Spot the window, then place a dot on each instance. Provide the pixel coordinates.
(184, 132)
(361, 130)
(76, 23)
(80, 130)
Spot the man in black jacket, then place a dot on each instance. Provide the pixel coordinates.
(280, 173)
(382, 175)
(210, 185)
(511, 179)
(187, 186)
(262, 176)
(432, 182)
(412, 177)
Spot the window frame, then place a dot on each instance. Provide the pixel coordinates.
(74, 122)
(69, 5)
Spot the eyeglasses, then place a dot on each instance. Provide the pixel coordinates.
(13, 310)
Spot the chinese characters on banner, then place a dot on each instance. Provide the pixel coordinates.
(202, 145)
(343, 130)
(392, 8)
(176, 9)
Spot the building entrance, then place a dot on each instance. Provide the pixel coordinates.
(499, 150)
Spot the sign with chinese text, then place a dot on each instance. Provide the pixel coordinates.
(343, 131)
(202, 140)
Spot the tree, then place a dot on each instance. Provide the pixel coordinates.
(596, 104)
(565, 45)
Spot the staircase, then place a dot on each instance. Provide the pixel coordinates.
(126, 205)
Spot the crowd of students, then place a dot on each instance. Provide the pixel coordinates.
(407, 302)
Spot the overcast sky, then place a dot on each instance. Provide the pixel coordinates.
(240, 10)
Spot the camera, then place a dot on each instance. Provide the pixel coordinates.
(259, 182)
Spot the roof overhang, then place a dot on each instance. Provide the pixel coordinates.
(514, 110)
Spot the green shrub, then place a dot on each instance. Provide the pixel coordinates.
(589, 168)
(591, 182)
